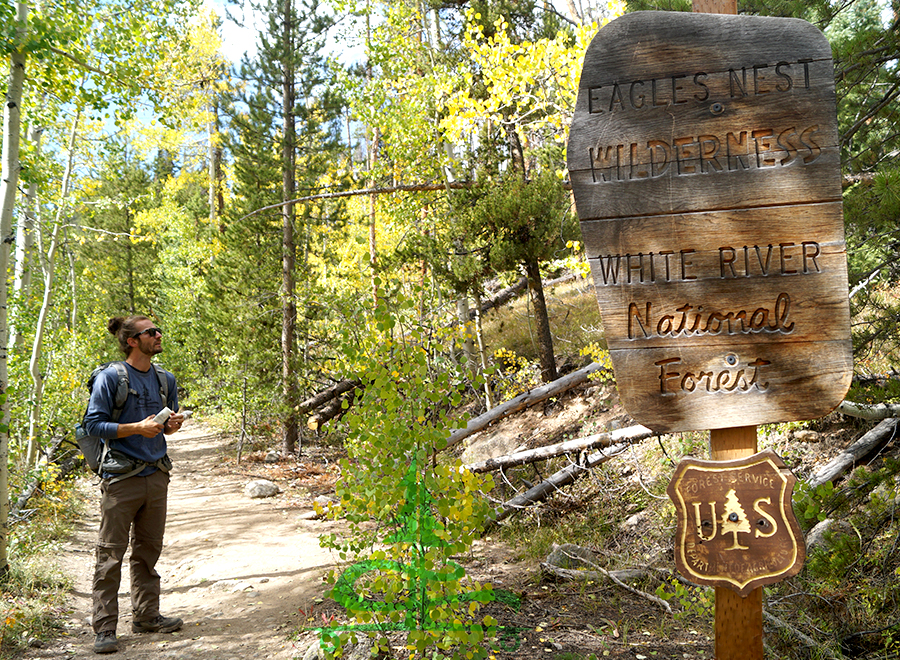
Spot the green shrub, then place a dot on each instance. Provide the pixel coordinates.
(425, 511)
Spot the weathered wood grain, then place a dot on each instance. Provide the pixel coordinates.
(786, 125)
(695, 387)
(705, 165)
(711, 231)
(720, 312)
(698, 192)
(655, 44)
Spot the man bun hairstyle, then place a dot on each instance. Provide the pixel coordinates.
(122, 328)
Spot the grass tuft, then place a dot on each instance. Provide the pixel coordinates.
(34, 590)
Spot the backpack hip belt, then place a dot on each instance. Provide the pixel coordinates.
(118, 461)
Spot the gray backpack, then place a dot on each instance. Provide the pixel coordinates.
(94, 448)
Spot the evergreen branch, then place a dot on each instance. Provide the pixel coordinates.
(889, 96)
(867, 279)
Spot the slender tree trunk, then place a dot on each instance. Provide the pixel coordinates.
(466, 327)
(73, 292)
(373, 242)
(216, 196)
(289, 305)
(574, 14)
(542, 321)
(129, 265)
(27, 221)
(516, 153)
(9, 180)
(373, 135)
(211, 134)
(37, 393)
(482, 353)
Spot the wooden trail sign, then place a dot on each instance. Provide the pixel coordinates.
(736, 525)
(705, 163)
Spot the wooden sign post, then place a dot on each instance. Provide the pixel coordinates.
(738, 619)
(705, 163)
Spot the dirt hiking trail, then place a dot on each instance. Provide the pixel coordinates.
(236, 569)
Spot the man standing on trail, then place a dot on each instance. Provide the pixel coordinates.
(136, 503)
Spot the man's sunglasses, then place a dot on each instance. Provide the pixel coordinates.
(152, 332)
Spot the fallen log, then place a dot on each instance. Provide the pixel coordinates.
(814, 646)
(595, 572)
(67, 461)
(882, 433)
(570, 473)
(633, 433)
(326, 395)
(876, 379)
(522, 402)
(330, 410)
(512, 291)
(870, 411)
(562, 279)
(501, 297)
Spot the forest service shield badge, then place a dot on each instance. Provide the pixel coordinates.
(736, 525)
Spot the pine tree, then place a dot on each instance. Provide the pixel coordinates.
(289, 76)
(523, 224)
(122, 267)
(734, 519)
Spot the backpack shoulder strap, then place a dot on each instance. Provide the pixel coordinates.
(163, 383)
(123, 388)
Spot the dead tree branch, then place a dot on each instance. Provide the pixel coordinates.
(632, 433)
(883, 433)
(869, 411)
(522, 402)
(422, 187)
(806, 639)
(598, 571)
(570, 473)
(69, 461)
(326, 395)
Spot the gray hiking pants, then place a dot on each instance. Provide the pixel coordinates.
(136, 505)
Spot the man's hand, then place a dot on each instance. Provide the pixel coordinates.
(173, 423)
(146, 428)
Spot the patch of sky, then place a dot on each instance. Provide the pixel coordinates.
(241, 25)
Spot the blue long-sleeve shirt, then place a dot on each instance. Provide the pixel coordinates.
(144, 399)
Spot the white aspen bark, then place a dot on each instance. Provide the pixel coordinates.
(211, 155)
(9, 179)
(870, 411)
(37, 380)
(468, 340)
(28, 220)
(26, 224)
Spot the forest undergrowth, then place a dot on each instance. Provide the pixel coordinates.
(843, 604)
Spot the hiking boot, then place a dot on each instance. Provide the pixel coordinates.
(161, 624)
(106, 642)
